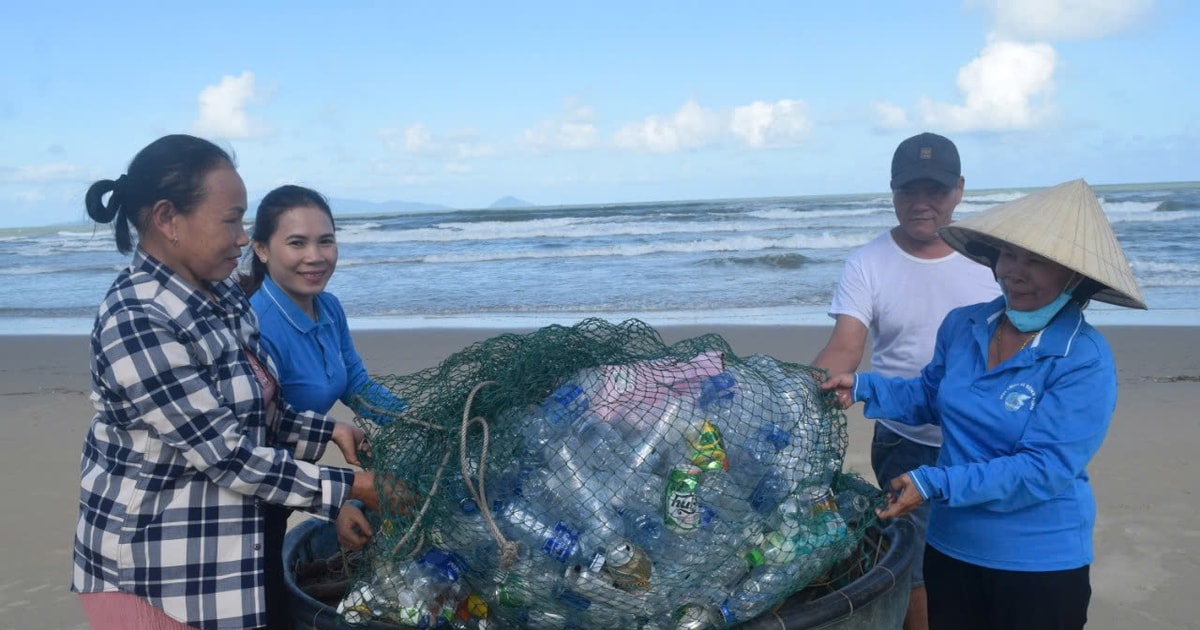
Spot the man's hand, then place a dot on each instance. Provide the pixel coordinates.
(902, 499)
(349, 440)
(353, 529)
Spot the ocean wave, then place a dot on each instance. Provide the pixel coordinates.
(804, 215)
(1129, 207)
(598, 227)
(1153, 266)
(1176, 205)
(822, 241)
(1152, 217)
(991, 199)
(38, 270)
(775, 261)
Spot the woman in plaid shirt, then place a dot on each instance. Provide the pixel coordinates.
(187, 442)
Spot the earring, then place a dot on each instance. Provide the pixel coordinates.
(175, 241)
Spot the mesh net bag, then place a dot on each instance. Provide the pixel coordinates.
(594, 476)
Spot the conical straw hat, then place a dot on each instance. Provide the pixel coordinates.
(1064, 224)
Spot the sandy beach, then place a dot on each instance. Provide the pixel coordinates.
(1147, 564)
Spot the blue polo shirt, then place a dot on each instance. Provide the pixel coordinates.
(1010, 489)
(317, 362)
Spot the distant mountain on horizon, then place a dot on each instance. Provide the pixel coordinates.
(510, 202)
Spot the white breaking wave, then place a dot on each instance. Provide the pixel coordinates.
(576, 228)
(741, 244)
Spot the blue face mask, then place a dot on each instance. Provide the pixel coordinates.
(1037, 319)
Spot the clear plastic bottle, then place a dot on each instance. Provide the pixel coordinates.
(576, 484)
(436, 578)
(770, 491)
(466, 534)
(547, 424)
(656, 445)
(524, 523)
(765, 585)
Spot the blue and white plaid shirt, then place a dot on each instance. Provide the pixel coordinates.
(179, 457)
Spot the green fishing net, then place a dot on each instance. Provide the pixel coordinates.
(593, 476)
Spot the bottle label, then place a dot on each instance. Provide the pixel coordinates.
(681, 507)
(562, 543)
(709, 448)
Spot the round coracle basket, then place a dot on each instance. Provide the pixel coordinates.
(869, 590)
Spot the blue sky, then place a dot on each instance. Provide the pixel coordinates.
(461, 103)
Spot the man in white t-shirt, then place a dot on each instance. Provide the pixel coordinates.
(898, 288)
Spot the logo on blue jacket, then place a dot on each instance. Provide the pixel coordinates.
(1019, 395)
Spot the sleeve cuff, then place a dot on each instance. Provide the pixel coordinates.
(335, 488)
(929, 481)
(317, 433)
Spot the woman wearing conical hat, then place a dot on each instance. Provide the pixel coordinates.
(1023, 388)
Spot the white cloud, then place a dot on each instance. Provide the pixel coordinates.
(689, 128)
(762, 125)
(759, 125)
(419, 140)
(223, 109)
(890, 116)
(1003, 88)
(574, 130)
(1047, 20)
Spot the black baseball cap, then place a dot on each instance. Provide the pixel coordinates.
(926, 156)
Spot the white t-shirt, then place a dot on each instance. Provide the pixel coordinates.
(902, 300)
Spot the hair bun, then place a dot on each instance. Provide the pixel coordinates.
(96, 208)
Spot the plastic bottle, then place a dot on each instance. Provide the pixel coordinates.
(548, 423)
(644, 529)
(722, 492)
(467, 534)
(693, 616)
(573, 483)
(529, 526)
(764, 586)
(764, 428)
(771, 489)
(653, 448)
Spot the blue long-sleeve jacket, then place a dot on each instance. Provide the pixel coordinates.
(1010, 489)
(317, 362)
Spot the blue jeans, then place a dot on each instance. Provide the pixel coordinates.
(891, 456)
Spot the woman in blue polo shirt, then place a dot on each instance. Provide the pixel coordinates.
(304, 331)
(1023, 388)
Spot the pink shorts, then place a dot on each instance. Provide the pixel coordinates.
(114, 610)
